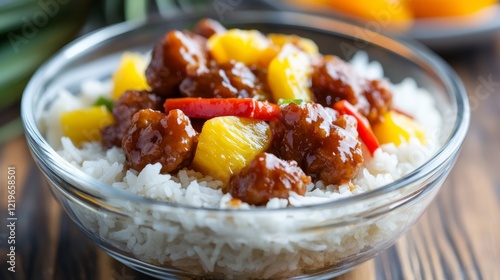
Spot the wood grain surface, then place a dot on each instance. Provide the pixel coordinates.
(457, 238)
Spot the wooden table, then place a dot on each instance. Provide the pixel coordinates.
(457, 238)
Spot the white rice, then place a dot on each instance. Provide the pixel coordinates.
(260, 244)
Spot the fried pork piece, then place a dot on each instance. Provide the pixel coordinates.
(176, 55)
(231, 79)
(261, 74)
(324, 145)
(379, 96)
(208, 27)
(155, 137)
(334, 79)
(268, 177)
(125, 107)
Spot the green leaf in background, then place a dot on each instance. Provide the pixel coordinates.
(167, 8)
(119, 10)
(12, 14)
(30, 32)
(136, 10)
(41, 28)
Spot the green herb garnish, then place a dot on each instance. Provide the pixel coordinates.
(282, 101)
(106, 102)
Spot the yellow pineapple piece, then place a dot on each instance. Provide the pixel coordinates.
(130, 74)
(246, 46)
(289, 74)
(304, 44)
(85, 125)
(227, 144)
(397, 128)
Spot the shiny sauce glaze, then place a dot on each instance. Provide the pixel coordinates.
(324, 144)
(124, 109)
(155, 137)
(334, 79)
(229, 80)
(266, 177)
(176, 55)
(310, 141)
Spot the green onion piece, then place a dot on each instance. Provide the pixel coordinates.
(282, 101)
(106, 102)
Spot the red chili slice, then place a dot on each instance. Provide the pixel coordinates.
(364, 129)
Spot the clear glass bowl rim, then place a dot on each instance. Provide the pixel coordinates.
(50, 159)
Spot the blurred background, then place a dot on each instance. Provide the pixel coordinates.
(33, 30)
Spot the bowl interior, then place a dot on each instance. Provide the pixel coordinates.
(95, 56)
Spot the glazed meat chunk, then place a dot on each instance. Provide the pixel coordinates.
(261, 75)
(125, 107)
(334, 79)
(324, 145)
(175, 56)
(268, 177)
(379, 96)
(231, 79)
(208, 27)
(155, 137)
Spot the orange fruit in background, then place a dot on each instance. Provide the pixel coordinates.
(399, 14)
(447, 8)
(397, 10)
(392, 14)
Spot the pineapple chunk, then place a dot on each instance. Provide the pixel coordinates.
(227, 144)
(397, 128)
(304, 44)
(85, 125)
(130, 75)
(246, 46)
(289, 74)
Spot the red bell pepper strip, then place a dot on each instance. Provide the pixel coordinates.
(206, 108)
(364, 129)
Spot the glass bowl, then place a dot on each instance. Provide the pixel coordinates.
(310, 242)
